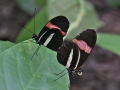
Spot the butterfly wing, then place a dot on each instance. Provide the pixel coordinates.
(53, 32)
(74, 53)
(59, 23)
(67, 55)
(85, 41)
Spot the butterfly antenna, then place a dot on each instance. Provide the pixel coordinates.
(34, 20)
(25, 27)
(95, 73)
(60, 76)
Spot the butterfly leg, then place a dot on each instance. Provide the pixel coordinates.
(73, 72)
(60, 76)
(60, 72)
(35, 52)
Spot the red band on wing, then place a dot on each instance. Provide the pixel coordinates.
(82, 45)
(51, 26)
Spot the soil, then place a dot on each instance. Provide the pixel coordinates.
(100, 61)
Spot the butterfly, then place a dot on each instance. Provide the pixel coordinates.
(74, 53)
(52, 33)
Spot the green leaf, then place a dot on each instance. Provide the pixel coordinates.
(80, 13)
(5, 45)
(40, 2)
(73, 10)
(40, 21)
(63, 7)
(27, 5)
(89, 20)
(109, 41)
(113, 3)
(18, 72)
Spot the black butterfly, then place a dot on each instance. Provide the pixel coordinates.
(74, 53)
(52, 33)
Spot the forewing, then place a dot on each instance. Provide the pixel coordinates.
(87, 37)
(60, 23)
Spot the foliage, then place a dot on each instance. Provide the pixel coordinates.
(80, 14)
(113, 3)
(18, 72)
(109, 42)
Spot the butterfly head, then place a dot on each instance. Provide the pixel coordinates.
(34, 37)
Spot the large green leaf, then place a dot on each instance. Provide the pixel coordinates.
(18, 72)
(40, 21)
(80, 13)
(110, 42)
(5, 45)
